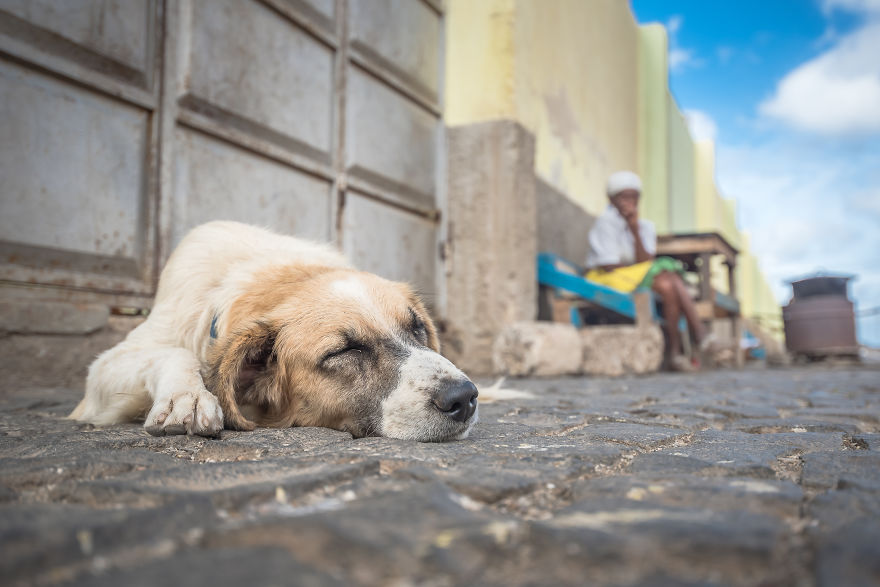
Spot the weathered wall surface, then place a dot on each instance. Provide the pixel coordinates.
(654, 148)
(480, 61)
(563, 226)
(576, 68)
(492, 238)
(566, 71)
(682, 197)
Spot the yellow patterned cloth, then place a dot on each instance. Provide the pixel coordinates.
(625, 279)
(632, 277)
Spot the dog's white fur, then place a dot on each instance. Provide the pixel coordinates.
(159, 371)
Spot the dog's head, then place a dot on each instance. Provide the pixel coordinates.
(342, 349)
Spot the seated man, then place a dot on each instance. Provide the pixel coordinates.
(622, 249)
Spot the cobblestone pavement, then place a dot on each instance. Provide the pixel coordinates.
(751, 477)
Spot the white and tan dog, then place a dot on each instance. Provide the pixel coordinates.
(253, 328)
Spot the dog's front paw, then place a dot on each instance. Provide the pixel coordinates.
(196, 413)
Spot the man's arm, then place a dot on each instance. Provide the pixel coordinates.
(642, 254)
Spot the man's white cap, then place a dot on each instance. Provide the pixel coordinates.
(623, 180)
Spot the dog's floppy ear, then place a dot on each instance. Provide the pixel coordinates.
(236, 362)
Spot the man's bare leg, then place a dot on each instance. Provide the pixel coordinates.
(690, 310)
(668, 292)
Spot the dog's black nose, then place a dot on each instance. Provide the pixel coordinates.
(458, 400)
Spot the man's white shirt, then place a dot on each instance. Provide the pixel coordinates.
(612, 243)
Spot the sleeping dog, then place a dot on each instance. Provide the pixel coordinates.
(251, 328)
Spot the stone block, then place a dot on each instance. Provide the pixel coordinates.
(538, 349)
(620, 349)
(34, 360)
(492, 239)
(38, 317)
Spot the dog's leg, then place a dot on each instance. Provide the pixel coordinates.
(164, 383)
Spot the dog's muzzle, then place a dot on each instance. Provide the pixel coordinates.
(456, 400)
(432, 402)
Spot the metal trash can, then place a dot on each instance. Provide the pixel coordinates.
(819, 320)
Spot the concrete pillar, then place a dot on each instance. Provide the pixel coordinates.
(492, 239)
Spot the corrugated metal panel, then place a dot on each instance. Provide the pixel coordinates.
(78, 145)
(319, 118)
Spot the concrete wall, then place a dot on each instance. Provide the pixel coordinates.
(654, 132)
(563, 226)
(756, 296)
(492, 239)
(705, 192)
(565, 70)
(682, 179)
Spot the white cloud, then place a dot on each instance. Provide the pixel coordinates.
(679, 57)
(838, 92)
(809, 207)
(701, 125)
(857, 6)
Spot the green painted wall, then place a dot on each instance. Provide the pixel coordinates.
(682, 197)
(653, 144)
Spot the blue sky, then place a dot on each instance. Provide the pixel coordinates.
(790, 92)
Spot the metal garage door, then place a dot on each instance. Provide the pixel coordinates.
(127, 122)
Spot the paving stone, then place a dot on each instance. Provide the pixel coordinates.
(830, 510)
(221, 566)
(697, 545)
(228, 485)
(850, 556)
(629, 434)
(793, 424)
(50, 541)
(729, 477)
(660, 464)
(765, 496)
(839, 470)
(741, 452)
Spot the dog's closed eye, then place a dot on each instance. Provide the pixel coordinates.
(351, 351)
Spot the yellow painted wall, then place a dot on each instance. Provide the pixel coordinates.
(705, 192)
(756, 297)
(745, 275)
(727, 222)
(480, 56)
(566, 70)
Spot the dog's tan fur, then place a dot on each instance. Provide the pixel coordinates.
(282, 309)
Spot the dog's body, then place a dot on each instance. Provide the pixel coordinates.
(284, 331)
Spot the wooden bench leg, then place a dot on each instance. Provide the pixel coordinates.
(560, 310)
(642, 301)
(739, 353)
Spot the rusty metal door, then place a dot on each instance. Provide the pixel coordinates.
(127, 122)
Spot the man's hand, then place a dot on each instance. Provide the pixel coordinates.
(632, 221)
